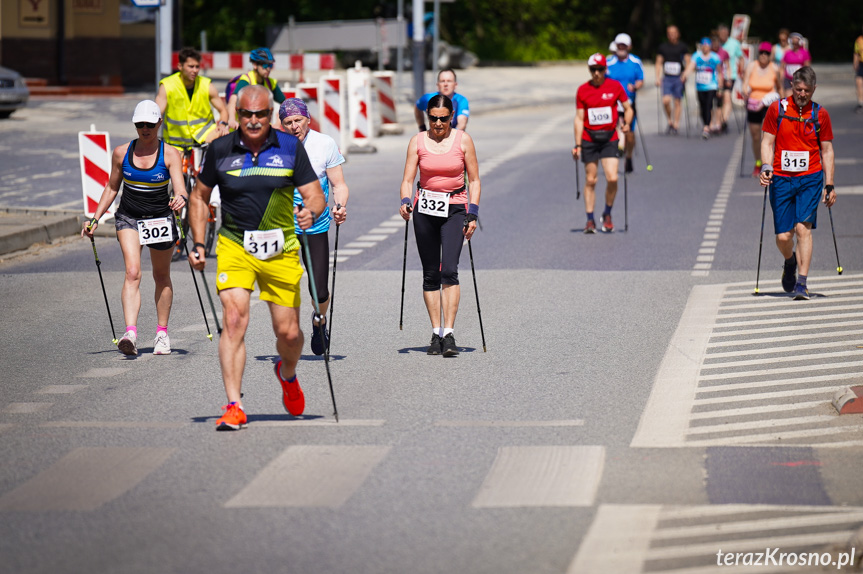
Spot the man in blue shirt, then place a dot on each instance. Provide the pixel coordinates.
(446, 85)
(626, 68)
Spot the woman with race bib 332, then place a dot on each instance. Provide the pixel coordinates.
(445, 213)
(145, 216)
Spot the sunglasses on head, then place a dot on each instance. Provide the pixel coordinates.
(265, 113)
(433, 119)
(142, 125)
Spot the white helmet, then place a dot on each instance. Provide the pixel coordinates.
(623, 39)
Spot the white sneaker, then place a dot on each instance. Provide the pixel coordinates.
(127, 343)
(162, 344)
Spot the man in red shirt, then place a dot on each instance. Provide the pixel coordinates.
(797, 164)
(596, 137)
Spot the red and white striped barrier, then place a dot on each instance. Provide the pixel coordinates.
(95, 150)
(332, 109)
(359, 104)
(383, 85)
(309, 93)
(239, 61)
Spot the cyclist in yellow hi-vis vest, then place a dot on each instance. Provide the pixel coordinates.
(185, 99)
(262, 65)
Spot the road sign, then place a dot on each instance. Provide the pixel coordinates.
(147, 3)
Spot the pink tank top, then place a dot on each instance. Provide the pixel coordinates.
(442, 171)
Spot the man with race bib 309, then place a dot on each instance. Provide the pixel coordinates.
(257, 169)
(798, 164)
(596, 117)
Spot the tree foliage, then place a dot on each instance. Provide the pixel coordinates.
(529, 30)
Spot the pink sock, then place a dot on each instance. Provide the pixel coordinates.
(132, 328)
(160, 328)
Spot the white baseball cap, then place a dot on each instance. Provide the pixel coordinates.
(147, 111)
(623, 39)
(612, 47)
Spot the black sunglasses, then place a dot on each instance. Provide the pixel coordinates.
(142, 125)
(596, 68)
(265, 113)
(433, 119)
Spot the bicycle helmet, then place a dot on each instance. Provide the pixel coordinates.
(261, 56)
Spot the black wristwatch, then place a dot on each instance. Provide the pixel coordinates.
(201, 245)
(828, 189)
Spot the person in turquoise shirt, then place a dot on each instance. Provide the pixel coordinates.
(736, 64)
(707, 66)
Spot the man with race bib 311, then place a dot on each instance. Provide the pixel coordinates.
(798, 164)
(596, 117)
(672, 57)
(257, 169)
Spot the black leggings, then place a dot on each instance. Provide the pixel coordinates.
(439, 243)
(705, 104)
(319, 246)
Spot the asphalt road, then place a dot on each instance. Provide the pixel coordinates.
(637, 409)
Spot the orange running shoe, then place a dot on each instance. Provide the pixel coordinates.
(292, 394)
(233, 419)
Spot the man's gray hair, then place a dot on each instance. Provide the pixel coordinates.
(806, 75)
(252, 89)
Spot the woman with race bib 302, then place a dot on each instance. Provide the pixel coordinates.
(445, 213)
(145, 216)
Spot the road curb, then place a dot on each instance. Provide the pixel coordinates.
(21, 227)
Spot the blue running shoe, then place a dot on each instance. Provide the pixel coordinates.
(789, 274)
(801, 293)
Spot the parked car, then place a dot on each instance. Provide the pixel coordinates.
(13, 92)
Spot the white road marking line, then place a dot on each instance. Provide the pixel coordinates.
(617, 541)
(358, 246)
(828, 281)
(310, 476)
(116, 424)
(386, 230)
(60, 389)
(819, 327)
(513, 424)
(734, 545)
(666, 416)
(394, 224)
(791, 314)
(718, 510)
(835, 334)
(784, 359)
(725, 413)
(772, 350)
(778, 382)
(350, 251)
(85, 479)
(374, 238)
(785, 320)
(322, 423)
(780, 523)
(26, 408)
(530, 476)
(776, 371)
(782, 437)
(767, 395)
(750, 425)
(763, 302)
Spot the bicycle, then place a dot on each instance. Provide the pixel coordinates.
(193, 156)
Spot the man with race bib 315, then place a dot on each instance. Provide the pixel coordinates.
(798, 164)
(596, 117)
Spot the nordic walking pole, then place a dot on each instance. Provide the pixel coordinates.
(476, 292)
(404, 269)
(333, 290)
(761, 241)
(577, 182)
(625, 202)
(210, 298)
(643, 147)
(185, 248)
(838, 266)
(104, 293)
(742, 155)
(658, 111)
(686, 110)
(318, 317)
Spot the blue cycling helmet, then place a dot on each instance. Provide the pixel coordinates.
(261, 56)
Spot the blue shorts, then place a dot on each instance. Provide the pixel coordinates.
(672, 86)
(795, 200)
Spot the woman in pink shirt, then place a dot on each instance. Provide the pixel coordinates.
(793, 60)
(446, 213)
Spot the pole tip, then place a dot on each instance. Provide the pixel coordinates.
(839, 270)
(210, 336)
(756, 292)
(483, 348)
(649, 167)
(115, 341)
